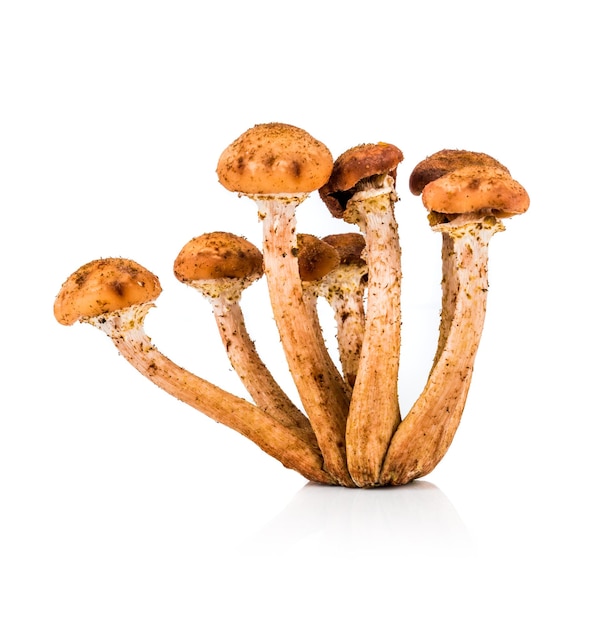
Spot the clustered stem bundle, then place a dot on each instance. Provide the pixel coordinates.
(349, 430)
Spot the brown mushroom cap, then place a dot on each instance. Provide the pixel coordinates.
(218, 255)
(476, 189)
(104, 286)
(316, 258)
(444, 162)
(350, 247)
(274, 158)
(356, 164)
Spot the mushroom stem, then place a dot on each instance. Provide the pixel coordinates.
(317, 260)
(349, 314)
(450, 289)
(310, 297)
(286, 444)
(344, 290)
(322, 390)
(374, 411)
(252, 371)
(426, 433)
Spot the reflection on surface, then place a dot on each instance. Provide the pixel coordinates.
(415, 518)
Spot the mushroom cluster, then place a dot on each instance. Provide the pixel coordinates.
(348, 429)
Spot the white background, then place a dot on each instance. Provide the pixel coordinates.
(120, 505)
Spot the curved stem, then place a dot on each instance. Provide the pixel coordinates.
(322, 390)
(423, 438)
(285, 443)
(374, 411)
(254, 374)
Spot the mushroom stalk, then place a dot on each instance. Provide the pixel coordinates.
(450, 289)
(374, 411)
(317, 260)
(323, 392)
(344, 290)
(311, 295)
(252, 371)
(349, 315)
(288, 445)
(426, 433)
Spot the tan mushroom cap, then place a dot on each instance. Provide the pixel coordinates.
(104, 286)
(218, 255)
(316, 258)
(356, 164)
(444, 162)
(350, 247)
(476, 189)
(274, 158)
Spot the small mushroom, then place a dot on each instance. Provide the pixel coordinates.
(115, 295)
(361, 190)
(220, 266)
(344, 290)
(465, 205)
(278, 165)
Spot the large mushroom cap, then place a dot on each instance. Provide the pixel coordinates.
(218, 255)
(316, 258)
(104, 286)
(274, 158)
(444, 162)
(476, 189)
(359, 163)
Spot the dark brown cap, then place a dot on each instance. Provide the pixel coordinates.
(350, 247)
(104, 286)
(315, 257)
(218, 255)
(356, 164)
(444, 162)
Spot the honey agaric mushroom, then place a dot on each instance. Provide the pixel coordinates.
(278, 166)
(115, 295)
(465, 205)
(220, 266)
(344, 289)
(361, 190)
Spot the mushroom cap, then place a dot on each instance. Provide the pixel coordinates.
(274, 158)
(350, 247)
(104, 286)
(444, 162)
(356, 164)
(218, 255)
(316, 258)
(476, 188)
